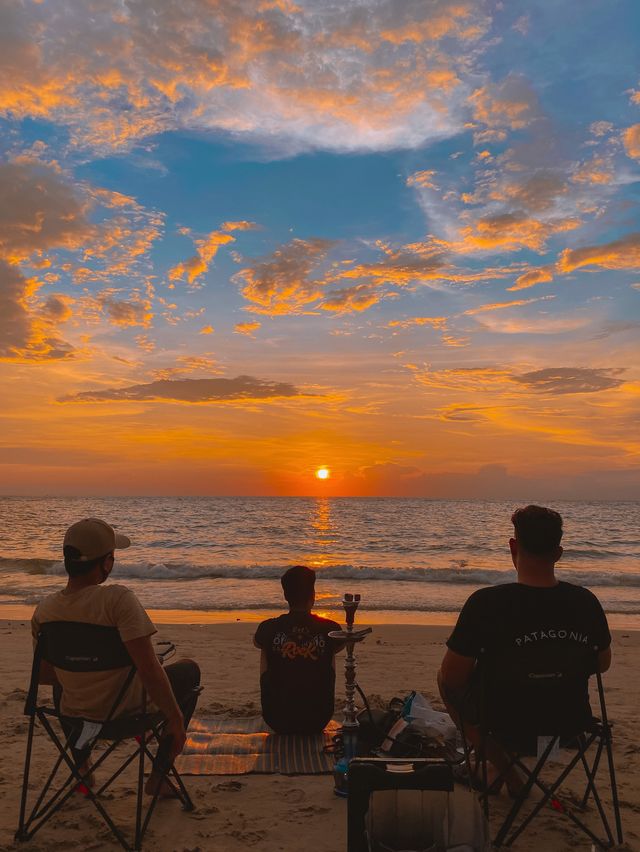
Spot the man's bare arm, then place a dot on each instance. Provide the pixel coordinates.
(157, 684)
(604, 660)
(263, 657)
(455, 672)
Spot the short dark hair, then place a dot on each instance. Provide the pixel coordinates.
(538, 529)
(74, 565)
(298, 584)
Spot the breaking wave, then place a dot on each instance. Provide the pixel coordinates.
(457, 573)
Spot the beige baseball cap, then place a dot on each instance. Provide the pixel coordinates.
(94, 538)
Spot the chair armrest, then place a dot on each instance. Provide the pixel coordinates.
(164, 650)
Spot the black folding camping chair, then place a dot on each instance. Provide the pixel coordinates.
(539, 710)
(80, 647)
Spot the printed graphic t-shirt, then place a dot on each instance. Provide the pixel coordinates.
(91, 694)
(298, 688)
(540, 632)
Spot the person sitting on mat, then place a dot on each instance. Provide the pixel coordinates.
(537, 614)
(297, 665)
(88, 549)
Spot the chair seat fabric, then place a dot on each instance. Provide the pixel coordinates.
(121, 728)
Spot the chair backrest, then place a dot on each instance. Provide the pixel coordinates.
(79, 647)
(538, 689)
(76, 646)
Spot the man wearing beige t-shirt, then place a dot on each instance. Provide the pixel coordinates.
(89, 547)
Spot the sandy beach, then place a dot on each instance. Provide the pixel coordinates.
(278, 813)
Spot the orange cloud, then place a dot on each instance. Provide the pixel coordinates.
(474, 379)
(540, 275)
(631, 139)
(423, 179)
(360, 297)
(300, 75)
(434, 322)
(206, 329)
(187, 364)
(57, 307)
(512, 104)
(416, 262)
(281, 284)
(496, 306)
(128, 313)
(451, 21)
(118, 245)
(619, 254)
(510, 232)
(206, 250)
(540, 323)
(598, 170)
(247, 328)
(537, 193)
(455, 342)
(145, 343)
(242, 225)
(25, 335)
(39, 211)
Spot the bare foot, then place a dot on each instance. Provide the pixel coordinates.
(160, 786)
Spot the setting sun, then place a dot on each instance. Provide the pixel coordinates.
(323, 473)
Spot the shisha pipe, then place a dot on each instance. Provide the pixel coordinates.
(350, 723)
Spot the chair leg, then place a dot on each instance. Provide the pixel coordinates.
(591, 774)
(549, 792)
(504, 829)
(187, 804)
(183, 794)
(20, 833)
(90, 794)
(141, 751)
(105, 754)
(39, 810)
(591, 785)
(42, 813)
(163, 777)
(613, 782)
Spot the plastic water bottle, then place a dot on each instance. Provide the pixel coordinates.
(340, 779)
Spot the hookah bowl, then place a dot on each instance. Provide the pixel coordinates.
(350, 724)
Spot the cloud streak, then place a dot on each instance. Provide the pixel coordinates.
(242, 388)
(565, 380)
(550, 381)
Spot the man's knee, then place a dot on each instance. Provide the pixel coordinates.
(183, 676)
(192, 671)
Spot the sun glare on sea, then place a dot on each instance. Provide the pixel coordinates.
(323, 473)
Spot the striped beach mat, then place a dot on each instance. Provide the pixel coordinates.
(239, 746)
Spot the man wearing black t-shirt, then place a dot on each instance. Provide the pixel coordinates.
(538, 623)
(297, 670)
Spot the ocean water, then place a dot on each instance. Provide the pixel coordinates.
(225, 554)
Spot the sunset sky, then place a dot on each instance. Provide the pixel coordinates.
(243, 240)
